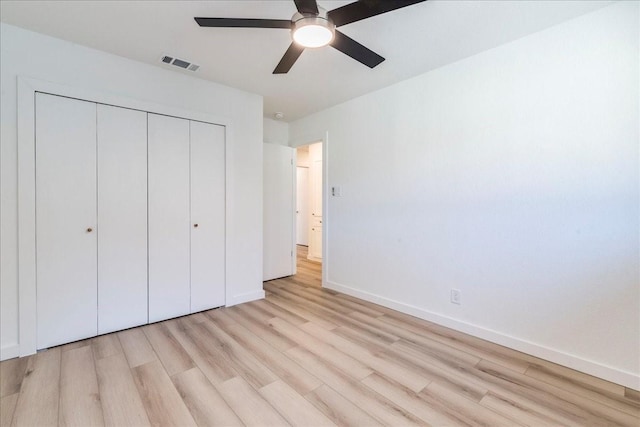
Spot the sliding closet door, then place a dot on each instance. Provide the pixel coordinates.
(122, 218)
(65, 220)
(207, 216)
(169, 222)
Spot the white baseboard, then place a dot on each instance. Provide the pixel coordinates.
(246, 297)
(9, 351)
(13, 350)
(599, 370)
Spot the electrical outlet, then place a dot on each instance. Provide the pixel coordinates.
(455, 296)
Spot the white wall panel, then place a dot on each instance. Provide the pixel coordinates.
(207, 216)
(512, 176)
(65, 220)
(275, 132)
(169, 224)
(122, 218)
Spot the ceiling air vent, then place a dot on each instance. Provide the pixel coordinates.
(185, 65)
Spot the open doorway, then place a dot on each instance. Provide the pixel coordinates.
(309, 209)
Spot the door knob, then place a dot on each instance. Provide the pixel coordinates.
(195, 225)
(89, 230)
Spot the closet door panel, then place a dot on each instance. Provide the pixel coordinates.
(65, 220)
(207, 216)
(122, 218)
(169, 219)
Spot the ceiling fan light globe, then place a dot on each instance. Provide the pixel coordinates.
(313, 32)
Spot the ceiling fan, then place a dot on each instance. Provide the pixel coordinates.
(312, 26)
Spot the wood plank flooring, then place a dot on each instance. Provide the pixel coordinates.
(303, 356)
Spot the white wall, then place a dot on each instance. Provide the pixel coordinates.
(29, 54)
(275, 132)
(511, 175)
(302, 156)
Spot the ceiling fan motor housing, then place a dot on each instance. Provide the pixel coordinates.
(318, 28)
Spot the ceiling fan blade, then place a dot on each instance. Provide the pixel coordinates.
(244, 23)
(365, 9)
(307, 6)
(352, 48)
(290, 57)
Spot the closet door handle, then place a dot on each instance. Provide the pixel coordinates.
(89, 230)
(195, 225)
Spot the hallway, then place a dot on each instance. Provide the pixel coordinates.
(308, 272)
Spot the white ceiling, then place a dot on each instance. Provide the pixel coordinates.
(413, 40)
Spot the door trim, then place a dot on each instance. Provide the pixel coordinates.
(311, 138)
(27, 88)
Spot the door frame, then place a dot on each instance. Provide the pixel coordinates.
(27, 88)
(312, 138)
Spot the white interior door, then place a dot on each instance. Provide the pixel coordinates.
(316, 188)
(302, 206)
(207, 216)
(169, 217)
(279, 220)
(65, 220)
(315, 239)
(122, 218)
(315, 195)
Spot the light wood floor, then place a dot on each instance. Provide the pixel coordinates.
(304, 356)
(309, 273)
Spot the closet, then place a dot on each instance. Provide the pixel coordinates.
(186, 216)
(130, 224)
(121, 228)
(66, 218)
